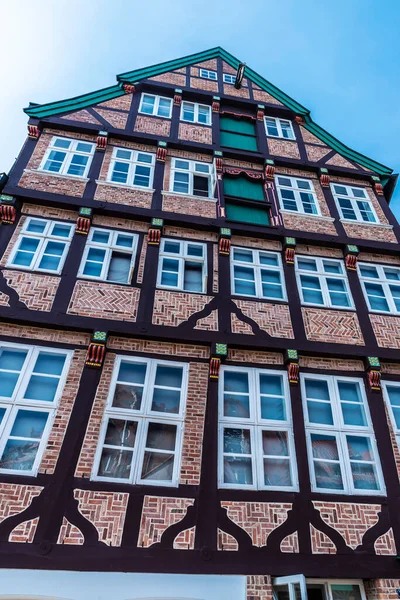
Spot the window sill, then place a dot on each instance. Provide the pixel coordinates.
(154, 116)
(36, 271)
(257, 299)
(367, 223)
(188, 196)
(178, 291)
(98, 280)
(301, 214)
(127, 187)
(60, 176)
(388, 313)
(323, 307)
(278, 137)
(196, 123)
(348, 493)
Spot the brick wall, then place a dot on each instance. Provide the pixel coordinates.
(311, 224)
(210, 64)
(70, 534)
(261, 96)
(36, 291)
(190, 234)
(258, 519)
(104, 300)
(386, 329)
(194, 424)
(230, 90)
(24, 532)
(233, 162)
(382, 589)
(321, 543)
(290, 543)
(158, 514)
(332, 326)
(4, 299)
(55, 336)
(319, 251)
(204, 84)
(331, 364)
(120, 223)
(63, 413)
(195, 133)
(173, 308)
(272, 318)
(152, 125)
(226, 542)
(315, 153)
(283, 148)
(173, 77)
(185, 539)
(255, 356)
(310, 137)
(118, 194)
(209, 323)
(370, 232)
(175, 349)
(379, 258)
(189, 205)
(14, 499)
(116, 119)
(82, 116)
(238, 240)
(121, 103)
(259, 587)
(338, 161)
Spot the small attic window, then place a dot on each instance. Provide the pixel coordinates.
(206, 74)
(279, 128)
(228, 78)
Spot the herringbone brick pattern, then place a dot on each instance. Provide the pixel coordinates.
(259, 587)
(63, 413)
(158, 514)
(70, 534)
(185, 539)
(37, 292)
(152, 125)
(49, 335)
(387, 330)
(329, 364)
(142, 260)
(290, 543)
(240, 326)
(4, 299)
(209, 323)
(332, 326)
(226, 542)
(106, 511)
(255, 356)
(321, 543)
(385, 544)
(173, 308)
(24, 532)
(163, 348)
(194, 423)
(258, 519)
(15, 498)
(272, 318)
(352, 521)
(104, 300)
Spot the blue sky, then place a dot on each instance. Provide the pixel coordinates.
(339, 59)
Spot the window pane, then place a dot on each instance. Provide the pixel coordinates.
(161, 436)
(236, 382)
(275, 443)
(78, 165)
(327, 471)
(236, 394)
(142, 176)
(100, 237)
(158, 466)
(166, 401)
(181, 183)
(54, 161)
(317, 389)
(169, 376)
(320, 412)
(8, 381)
(277, 472)
(204, 115)
(306, 265)
(392, 390)
(147, 104)
(132, 372)
(364, 476)
(272, 400)
(164, 107)
(188, 111)
(36, 226)
(115, 463)
(237, 441)
(119, 268)
(130, 396)
(49, 364)
(194, 250)
(344, 591)
(200, 186)
(19, 455)
(125, 154)
(193, 277)
(238, 470)
(11, 359)
(243, 255)
(29, 424)
(61, 143)
(120, 172)
(41, 388)
(368, 271)
(125, 241)
(121, 433)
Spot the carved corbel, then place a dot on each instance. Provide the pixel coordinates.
(96, 350)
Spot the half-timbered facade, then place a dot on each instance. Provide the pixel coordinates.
(199, 348)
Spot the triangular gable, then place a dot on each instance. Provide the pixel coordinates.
(162, 71)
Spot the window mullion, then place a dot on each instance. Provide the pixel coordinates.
(345, 459)
(67, 161)
(139, 449)
(38, 255)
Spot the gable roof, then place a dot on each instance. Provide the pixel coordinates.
(79, 102)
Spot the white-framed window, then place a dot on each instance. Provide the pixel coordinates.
(353, 203)
(192, 178)
(297, 587)
(193, 112)
(68, 157)
(141, 435)
(228, 78)
(279, 128)
(32, 379)
(342, 450)
(206, 74)
(323, 282)
(297, 195)
(257, 273)
(182, 266)
(381, 287)
(256, 447)
(158, 106)
(42, 245)
(131, 167)
(109, 255)
(391, 393)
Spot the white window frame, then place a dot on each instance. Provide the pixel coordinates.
(109, 247)
(327, 583)
(292, 580)
(322, 276)
(17, 401)
(296, 190)
(69, 154)
(257, 266)
(208, 74)
(196, 107)
(211, 176)
(353, 200)
(133, 162)
(278, 125)
(339, 430)
(143, 417)
(182, 257)
(396, 430)
(382, 281)
(256, 425)
(229, 78)
(44, 237)
(156, 105)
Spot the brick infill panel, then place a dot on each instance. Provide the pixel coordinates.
(190, 234)
(63, 413)
(290, 543)
(104, 300)
(195, 133)
(152, 125)
(332, 326)
(174, 78)
(272, 318)
(82, 116)
(174, 308)
(381, 589)
(204, 84)
(121, 103)
(310, 224)
(70, 534)
(24, 532)
(4, 299)
(283, 148)
(15, 498)
(259, 587)
(48, 212)
(209, 323)
(379, 258)
(386, 329)
(173, 349)
(43, 182)
(321, 543)
(185, 539)
(319, 251)
(55, 336)
(230, 90)
(331, 364)
(36, 291)
(158, 514)
(370, 232)
(189, 206)
(248, 242)
(315, 153)
(123, 195)
(120, 223)
(255, 356)
(106, 511)
(258, 519)
(226, 542)
(116, 119)
(233, 162)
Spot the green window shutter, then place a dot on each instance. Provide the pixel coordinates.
(238, 133)
(247, 214)
(241, 187)
(237, 125)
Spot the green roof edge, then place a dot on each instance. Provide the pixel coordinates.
(80, 102)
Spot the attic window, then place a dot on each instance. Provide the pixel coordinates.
(228, 78)
(279, 128)
(206, 74)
